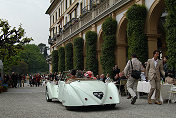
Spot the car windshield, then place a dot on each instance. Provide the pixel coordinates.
(80, 75)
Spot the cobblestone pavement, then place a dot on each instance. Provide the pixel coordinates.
(29, 102)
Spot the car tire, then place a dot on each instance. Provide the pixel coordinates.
(110, 106)
(47, 96)
(70, 108)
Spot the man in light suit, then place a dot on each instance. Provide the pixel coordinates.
(132, 82)
(153, 69)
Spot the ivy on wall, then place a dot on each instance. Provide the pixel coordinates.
(91, 53)
(137, 40)
(54, 61)
(109, 27)
(61, 59)
(170, 27)
(68, 56)
(78, 59)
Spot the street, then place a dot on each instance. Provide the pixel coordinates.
(29, 102)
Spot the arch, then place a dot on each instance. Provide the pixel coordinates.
(154, 15)
(121, 44)
(152, 22)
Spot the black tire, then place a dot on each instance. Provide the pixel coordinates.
(69, 108)
(110, 106)
(47, 96)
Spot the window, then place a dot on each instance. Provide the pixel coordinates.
(81, 7)
(70, 2)
(76, 13)
(53, 32)
(53, 19)
(65, 4)
(59, 12)
(70, 16)
(56, 16)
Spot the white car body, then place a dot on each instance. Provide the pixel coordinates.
(82, 92)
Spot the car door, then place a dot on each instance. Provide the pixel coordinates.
(61, 86)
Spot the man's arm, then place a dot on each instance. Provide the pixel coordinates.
(147, 69)
(126, 69)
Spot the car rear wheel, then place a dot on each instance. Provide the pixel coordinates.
(111, 106)
(47, 96)
(70, 108)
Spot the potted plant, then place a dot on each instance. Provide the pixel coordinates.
(5, 87)
(0, 89)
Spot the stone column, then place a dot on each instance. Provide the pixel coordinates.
(94, 28)
(141, 2)
(121, 56)
(113, 15)
(100, 70)
(152, 44)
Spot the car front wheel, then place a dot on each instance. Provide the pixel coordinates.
(47, 96)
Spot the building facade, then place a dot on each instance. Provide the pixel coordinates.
(73, 18)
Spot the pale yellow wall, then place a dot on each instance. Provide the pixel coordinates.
(121, 40)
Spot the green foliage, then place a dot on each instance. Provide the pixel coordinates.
(136, 12)
(78, 59)
(68, 56)
(137, 40)
(43, 49)
(22, 67)
(108, 56)
(11, 43)
(91, 58)
(11, 40)
(61, 59)
(33, 58)
(54, 61)
(170, 27)
(109, 27)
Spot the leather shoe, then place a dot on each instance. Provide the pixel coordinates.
(149, 101)
(129, 97)
(158, 102)
(133, 100)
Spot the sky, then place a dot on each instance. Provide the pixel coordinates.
(29, 13)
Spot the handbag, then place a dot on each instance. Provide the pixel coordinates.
(135, 73)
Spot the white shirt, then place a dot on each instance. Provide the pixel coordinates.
(155, 62)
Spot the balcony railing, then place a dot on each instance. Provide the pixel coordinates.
(70, 23)
(101, 10)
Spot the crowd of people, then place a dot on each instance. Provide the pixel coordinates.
(15, 80)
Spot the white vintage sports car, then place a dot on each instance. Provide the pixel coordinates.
(82, 91)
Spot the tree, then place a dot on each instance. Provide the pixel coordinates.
(22, 67)
(11, 43)
(78, 59)
(31, 55)
(54, 61)
(170, 27)
(43, 49)
(68, 56)
(137, 40)
(91, 52)
(109, 27)
(11, 40)
(61, 59)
